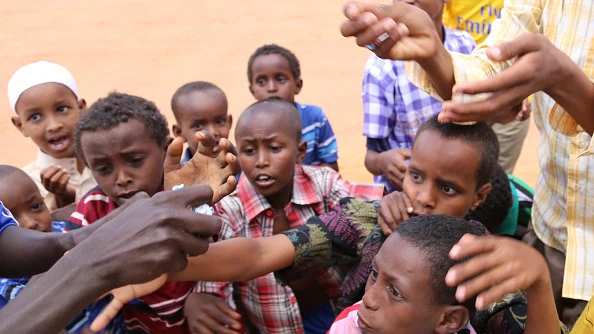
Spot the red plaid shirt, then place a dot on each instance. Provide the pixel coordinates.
(271, 307)
(158, 312)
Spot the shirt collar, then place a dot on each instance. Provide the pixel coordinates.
(304, 193)
(45, 160)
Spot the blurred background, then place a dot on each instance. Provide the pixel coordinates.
(150, 48)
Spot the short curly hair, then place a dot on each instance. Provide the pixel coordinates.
(273, 49)
(109, 112)
(434, 236)
(493, 211)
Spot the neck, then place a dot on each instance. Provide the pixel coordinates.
(280, 200)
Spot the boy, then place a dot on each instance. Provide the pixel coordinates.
(45, 99)
(199, 106)
(276, 194)
(394, 108)
(20, 195)
(123, 140)
(274, 71)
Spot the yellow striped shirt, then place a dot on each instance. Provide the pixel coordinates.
(563, 212)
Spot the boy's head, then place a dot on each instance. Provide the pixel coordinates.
(406, 291)
(450, 167)
(268, 136)
(45, 99)
(123, 139)
(274, 71)
(200, 106)
(494, 209)
(20, 195)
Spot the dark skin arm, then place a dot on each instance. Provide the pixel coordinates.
(149, 238)
(333, 165)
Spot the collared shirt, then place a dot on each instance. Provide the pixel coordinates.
(563, 212)
(394, 108)
(158, 312)
(83, 182)
(271, 307)
(317, 132)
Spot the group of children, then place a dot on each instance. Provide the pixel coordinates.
(299, 245)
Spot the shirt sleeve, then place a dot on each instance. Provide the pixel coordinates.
(10, 288)
(6, 218)
(378, 145)
(378, 93)
(326, 146)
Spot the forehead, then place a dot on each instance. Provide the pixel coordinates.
(201, 103)
(50, 92)
(132, 134)
(271, 63)
(453, 157)
(16, 189)
(266, 122)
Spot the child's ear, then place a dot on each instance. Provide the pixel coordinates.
(230, 121)
(82, 105)
(251, 89)
(299, 84)
(453, 319)
(176, 129)
(16, 121)
(302, 151)
(481, 195)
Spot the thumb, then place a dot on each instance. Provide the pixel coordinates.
(406, 153)
(206, 143)
(518, 47)
(174, 154)
(107, 314)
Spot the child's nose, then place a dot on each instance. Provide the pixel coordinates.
(370, 299)
(53, 124)
(271, 86)
(123, 179)
(426, 198)
(262, 159)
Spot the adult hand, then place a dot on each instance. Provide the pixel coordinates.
(55, 180)
(412, 34)
(393, 165)
(209, 314)
(500, 266)
(394, 209)
(539, 66)
(205, 167)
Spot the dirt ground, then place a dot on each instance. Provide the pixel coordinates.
(149, 48)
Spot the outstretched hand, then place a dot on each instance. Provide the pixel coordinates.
(206, 167)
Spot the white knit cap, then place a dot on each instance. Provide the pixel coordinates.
(36, 74)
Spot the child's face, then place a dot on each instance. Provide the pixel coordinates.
(47, 113)
(399, 295)
(20, 195)
(268, 151)
(272, 77)
(202, 110)
(442, 175)
(433, 7)
(124, 160)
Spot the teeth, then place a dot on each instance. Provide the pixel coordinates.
(262, 178)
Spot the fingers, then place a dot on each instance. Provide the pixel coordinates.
(386, 219)
(225, 189)
(353, 10)
(174, 154)
(405, 153)
(407, 203)
(108, 314)
(470, 245)
(523, 44)
(228, 316)
(191, 196)
(486, 281)
(197, 228)
(206, 144)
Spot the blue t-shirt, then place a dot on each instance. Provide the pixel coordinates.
(317, 132)
(6, 218)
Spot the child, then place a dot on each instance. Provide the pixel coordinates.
(123, 140)
(394, 108)
(273, 195)
(199, 106)
(20, 195)
(45, 99)
(274, 71)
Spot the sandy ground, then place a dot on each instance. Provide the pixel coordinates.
(150, 48)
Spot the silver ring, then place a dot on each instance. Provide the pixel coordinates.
(377, 42)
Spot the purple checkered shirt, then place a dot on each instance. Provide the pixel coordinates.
(394, 107)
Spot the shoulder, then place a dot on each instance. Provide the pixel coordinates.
(94, 205)
(310, 111)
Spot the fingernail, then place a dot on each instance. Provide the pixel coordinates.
(480, 303)
(460, 293)
(410, 210)
(389, 24)
(402, 29)
(450, 277)
(369, 18)
(496, 52)
(350, 10)
(454, 251)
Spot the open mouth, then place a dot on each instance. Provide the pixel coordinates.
(264, 180)
(127, 195)
(363, 325)
(59, 143)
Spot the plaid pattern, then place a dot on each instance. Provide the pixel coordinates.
(562, 214)
(271, 307)
(394, 108)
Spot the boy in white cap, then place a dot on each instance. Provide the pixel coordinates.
(45, 99)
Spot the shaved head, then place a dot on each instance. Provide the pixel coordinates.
(284, 113)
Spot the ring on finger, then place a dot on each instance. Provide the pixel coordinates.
(378, 41)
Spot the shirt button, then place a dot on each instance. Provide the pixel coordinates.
(584, 144)
(269, 213)
(293, 300)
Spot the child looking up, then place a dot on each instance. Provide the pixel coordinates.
(275, 194)
(45, 98)
(199, 106)
(274, 72)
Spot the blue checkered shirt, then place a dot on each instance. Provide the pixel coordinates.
(394, 107)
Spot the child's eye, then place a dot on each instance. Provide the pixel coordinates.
(448, 190)
(63, 109)
(137, 161)
(395, 292)
(34, 117)
(281, 79)
(103, 170)
(374, 273)
(415, 176)
(197, 125)
(275, 148)
(249, 151)
(261, 82)
(37, 206)
(221, 121)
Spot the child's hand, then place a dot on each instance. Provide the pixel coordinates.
(205, 167)
(501, 266)
(394, 165)
(55, 180)
(394, 208)
(206, 313)
(122, 296)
